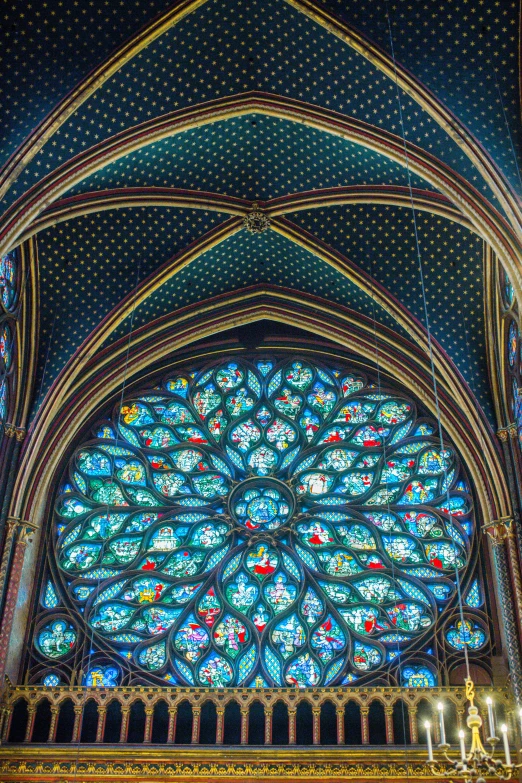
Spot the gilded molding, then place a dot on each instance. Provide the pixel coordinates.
(120, 198)
(349, 765)
(356, 40)
(487, 221)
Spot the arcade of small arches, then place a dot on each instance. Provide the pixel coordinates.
(244, 717)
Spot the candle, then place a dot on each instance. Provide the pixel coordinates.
(491, 718)
(462, 746)
(440, 708)
(427, 726)
(520, 716)
(503, 729)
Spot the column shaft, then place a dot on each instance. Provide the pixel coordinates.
(340, 725)
(365, 729)
(268, 725)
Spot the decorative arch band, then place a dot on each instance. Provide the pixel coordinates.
(491, 226)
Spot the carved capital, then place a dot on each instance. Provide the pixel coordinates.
(12, 431)
(502, 434)
(512, 430)
(12, 523)
(499, 530)
(26, 533)
(9, 429)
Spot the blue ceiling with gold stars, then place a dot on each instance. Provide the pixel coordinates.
(89, 264)
(255, 157)
(381, 240)
(465, 52)
(49, 46)
(225, 48)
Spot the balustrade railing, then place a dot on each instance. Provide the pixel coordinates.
(235, 716)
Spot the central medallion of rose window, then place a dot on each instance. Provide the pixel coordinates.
(261, 507)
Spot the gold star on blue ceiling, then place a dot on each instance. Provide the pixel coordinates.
(232, 46)
(381, 240)
(467, 53)
(49, 46)
(245, 259)
(88, 265)
(253, 157)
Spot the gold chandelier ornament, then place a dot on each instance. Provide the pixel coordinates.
(475, 765)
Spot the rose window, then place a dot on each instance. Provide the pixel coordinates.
(267, 522)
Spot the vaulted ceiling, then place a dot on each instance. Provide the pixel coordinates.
(382, 139)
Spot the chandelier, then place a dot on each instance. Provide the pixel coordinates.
(475, 765)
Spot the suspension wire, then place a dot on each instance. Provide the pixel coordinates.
(428, 331)
(107, 506)
(390, 514)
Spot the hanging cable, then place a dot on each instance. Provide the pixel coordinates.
(428, 331)
(107, 508)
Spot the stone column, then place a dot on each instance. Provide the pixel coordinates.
(125, 711)
(171, 731)
(414, 730)
(149, 711)
(291, 726)
(8, 714)
(388, 720)
(268, 725)
(365, 729)
(11, 525)
(102, 715)
(340, 725)
(220, 725)
(30, 724)
(196, 713)
(500, 534)
(77, 726)
(316, 725)
(54, 723)
(244, 725)
(24, 537)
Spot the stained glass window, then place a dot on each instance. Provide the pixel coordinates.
(513, 353)
(8, 276)
(512, 343)
(8, 300)
(267, 521)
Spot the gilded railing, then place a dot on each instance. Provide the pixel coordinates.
(34, 713)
